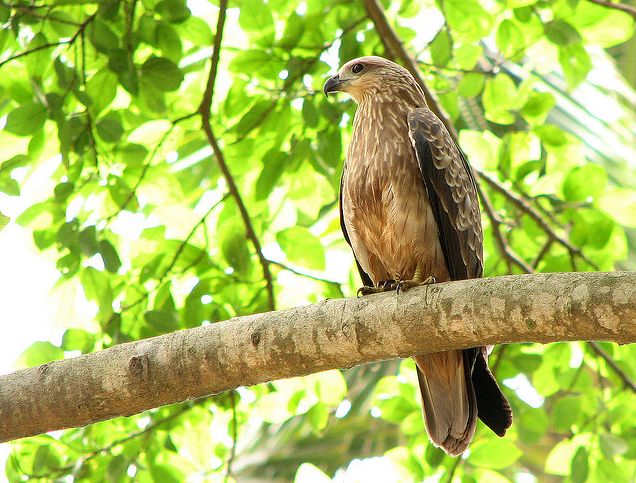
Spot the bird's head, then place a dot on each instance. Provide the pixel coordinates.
(370, 76)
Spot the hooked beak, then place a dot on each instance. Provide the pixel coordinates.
(332, 85)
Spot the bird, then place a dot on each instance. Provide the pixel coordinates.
(410, 213)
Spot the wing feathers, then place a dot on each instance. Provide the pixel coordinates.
(452, 193)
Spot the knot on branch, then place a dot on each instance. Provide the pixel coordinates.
(138, 366)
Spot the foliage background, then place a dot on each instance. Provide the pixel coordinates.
(161, 224)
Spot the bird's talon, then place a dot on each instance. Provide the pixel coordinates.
(404, 285)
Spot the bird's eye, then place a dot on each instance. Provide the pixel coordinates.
(356, 69)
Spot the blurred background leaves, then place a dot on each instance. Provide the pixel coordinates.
(103, 98)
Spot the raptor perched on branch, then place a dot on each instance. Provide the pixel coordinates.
(409, 210)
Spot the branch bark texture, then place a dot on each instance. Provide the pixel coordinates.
(132, 377)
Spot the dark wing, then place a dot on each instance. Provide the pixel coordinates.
(452, 193)
(366, 280)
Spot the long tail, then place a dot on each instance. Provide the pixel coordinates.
(456, 388)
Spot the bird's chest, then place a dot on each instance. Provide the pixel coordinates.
(385, 205)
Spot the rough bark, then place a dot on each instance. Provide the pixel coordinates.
(132, 377)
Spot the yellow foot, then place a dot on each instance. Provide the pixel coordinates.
(404, 285)
(382, 287)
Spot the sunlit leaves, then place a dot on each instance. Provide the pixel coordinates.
(494, 453)
(442, 48)
(302, 247)
(40, 353)
(500, 99)
(585, 183)
(26, 119)
(4, 221)
(162, 73)
(101, 88)
(122, 216)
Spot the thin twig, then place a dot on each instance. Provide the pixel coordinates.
(616, 6)
(109, 447)
(302, 274)
(204, 110)
(453, 469)
(528, 209)
(147, 165)
(50, 45)
(230, 459)
(544, 250)
(627, 381)
(504, 247)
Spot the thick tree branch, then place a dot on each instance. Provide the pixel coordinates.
(204, 110)
(132, 377)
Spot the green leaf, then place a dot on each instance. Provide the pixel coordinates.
(494, 453)
(471, 84)
(310, 113)
(39, 61)
(302, 247)
(255, 16)
(174, 11)
(532, 424)
(9, 186)
(442, 48)
(101, 88)
(467, 17)
(537, 107)
(575, 62)
(162, 73)
(169, 42)
(26, 119)
(109, 127)
(550, 135)
(566, 412)
(255, 116)
(40, 353)
(331, 387)
(109, 256)
(500, 97)
(97, 287)
(234, 248)
(102, 37)
(561, 32)
(586, 182)
(4, 220)
(580, 466)
(510, 38)
(77, 340)
(318, 416)
(162, 321)
(274, 166)
(88, 241)
(591, 227)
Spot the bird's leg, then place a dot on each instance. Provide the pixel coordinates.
(385, 286)
(417, 280)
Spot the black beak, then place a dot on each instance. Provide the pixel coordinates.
(332, 85)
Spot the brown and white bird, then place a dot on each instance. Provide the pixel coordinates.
(409, 210)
